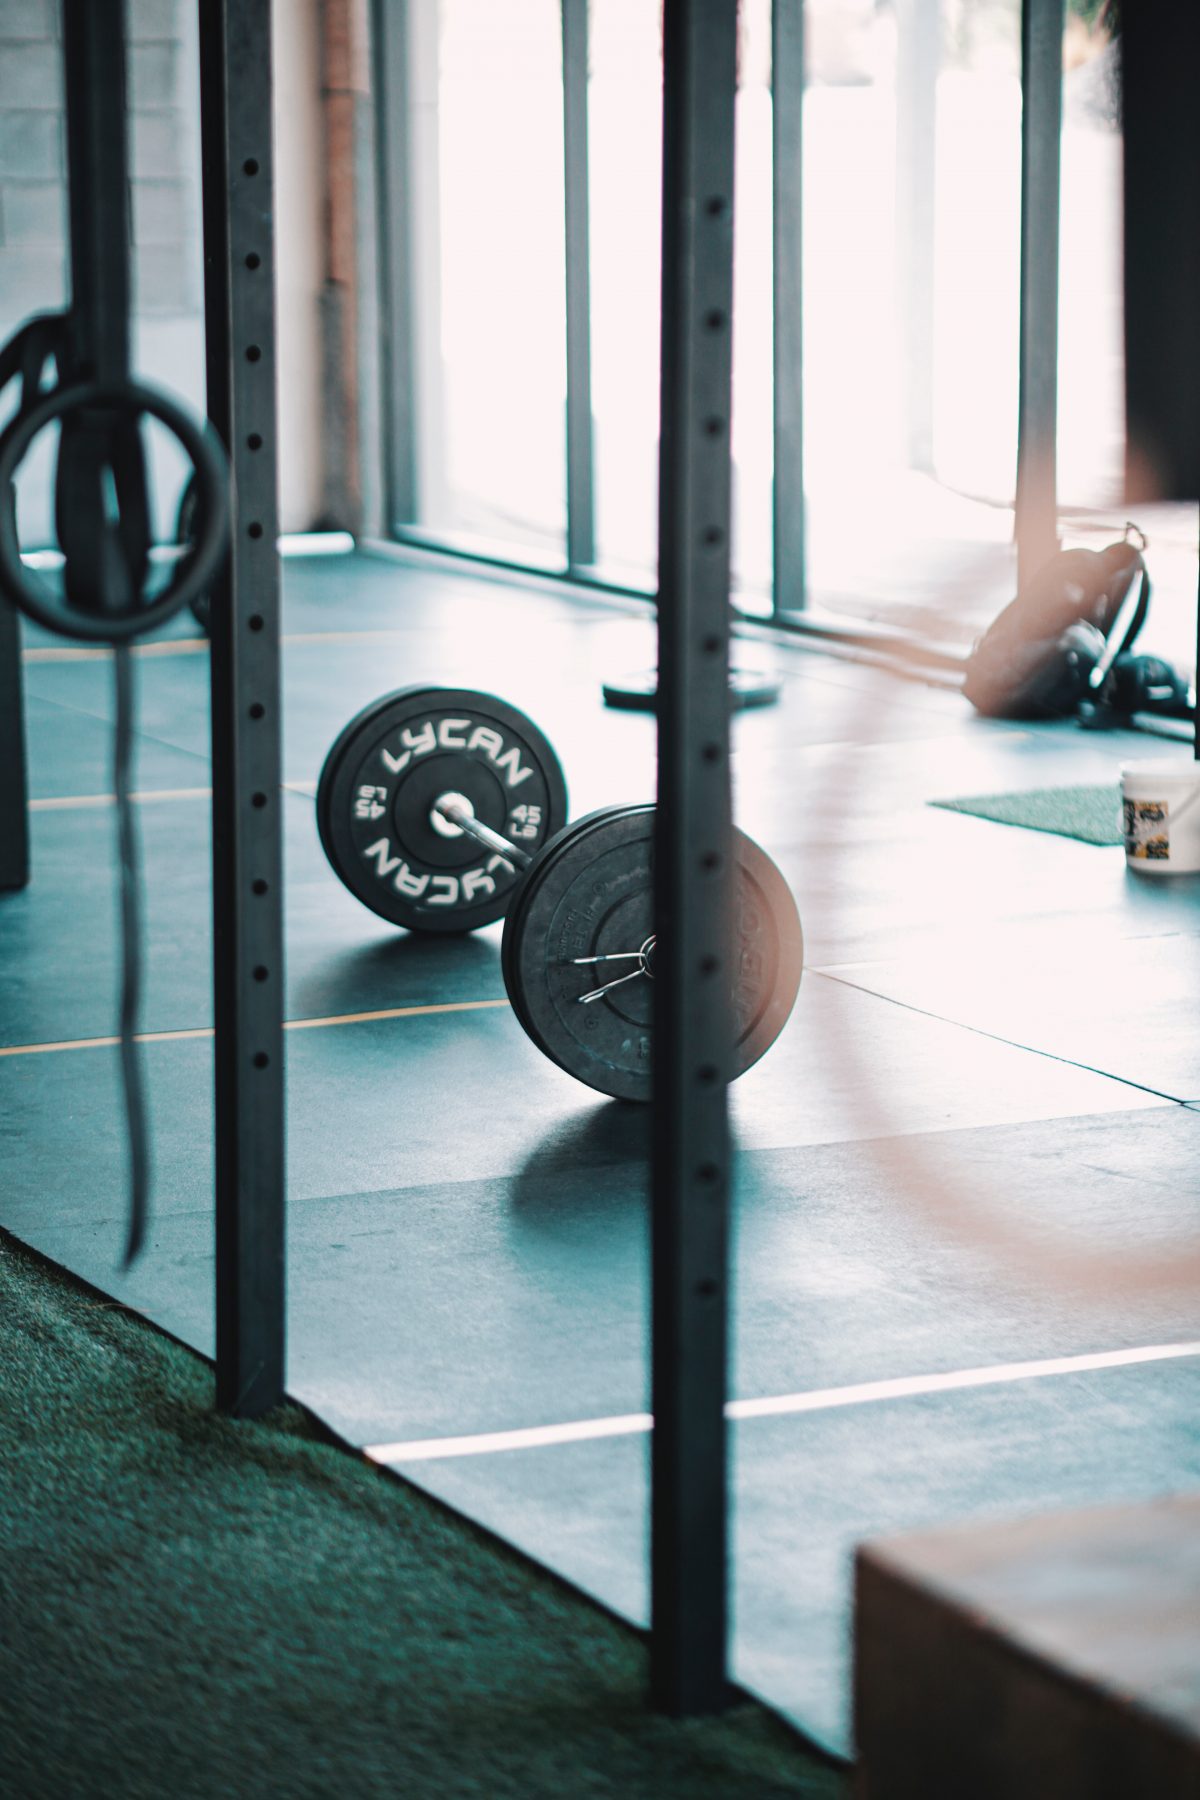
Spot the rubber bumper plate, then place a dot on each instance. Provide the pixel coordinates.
(377, 789)
(578, 951)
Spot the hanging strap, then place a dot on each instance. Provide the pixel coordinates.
(1129, 568)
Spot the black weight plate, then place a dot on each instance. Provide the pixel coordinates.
(639, 693)
(377, 788)
(514, 939)
(590, 893)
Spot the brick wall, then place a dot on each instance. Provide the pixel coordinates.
(32, 160)
(164, 171)
(168, 278)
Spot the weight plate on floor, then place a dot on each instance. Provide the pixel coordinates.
(639, 693)
(376, 794)
(589, 895)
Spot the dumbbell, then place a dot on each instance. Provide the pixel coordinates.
(444, 810)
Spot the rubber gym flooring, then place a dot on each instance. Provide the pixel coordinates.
(966, 1266)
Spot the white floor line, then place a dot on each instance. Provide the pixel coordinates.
(903, 1387)
(533, 1437)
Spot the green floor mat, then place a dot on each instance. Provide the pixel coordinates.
(210, 1610)
(1092, 814)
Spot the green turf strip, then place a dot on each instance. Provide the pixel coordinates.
(1092, 814)
(193, 1607)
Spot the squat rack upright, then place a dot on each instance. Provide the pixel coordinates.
(692, 1153)
(694, 1039)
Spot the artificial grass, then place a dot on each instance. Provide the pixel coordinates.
(1092, 814)
(193, 1607)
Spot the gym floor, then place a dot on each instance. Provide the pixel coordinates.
(965, 1254)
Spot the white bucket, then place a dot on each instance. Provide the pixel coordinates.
(1161, 804)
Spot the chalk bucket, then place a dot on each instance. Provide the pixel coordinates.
(1161, 804)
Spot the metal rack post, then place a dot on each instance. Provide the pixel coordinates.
(789, 585)
(693, 867)
(581, 532)
(14, 823)
(1159, 48)
(1036, 521)
(918, 59)
(395, 178)
(98, 184)
(235, 80)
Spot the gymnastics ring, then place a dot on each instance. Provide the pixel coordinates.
(192, 576)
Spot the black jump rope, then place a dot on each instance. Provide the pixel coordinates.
(102, 517)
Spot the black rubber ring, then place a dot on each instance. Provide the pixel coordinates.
(200, 443)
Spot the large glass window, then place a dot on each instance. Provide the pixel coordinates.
(1091, 356)
(977, 224)
(488, 261)
(625, 206)
(912, 221)
(625, 155)
(909, 218)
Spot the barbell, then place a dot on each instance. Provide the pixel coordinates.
(444, 809)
